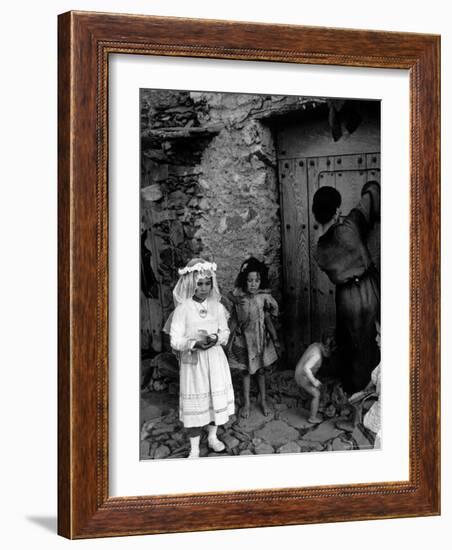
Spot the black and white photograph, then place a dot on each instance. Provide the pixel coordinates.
(260, 274)
(220, 220)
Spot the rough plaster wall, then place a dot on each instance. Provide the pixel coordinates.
(242, 203)
(215, 197)
(241, 190)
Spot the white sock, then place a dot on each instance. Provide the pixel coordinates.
(214, 443)
(194, 447)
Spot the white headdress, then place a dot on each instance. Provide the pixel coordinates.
(189, 276)
(198, 265)
(195, 270)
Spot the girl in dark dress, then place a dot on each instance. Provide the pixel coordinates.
(343, 255)
(254, 345)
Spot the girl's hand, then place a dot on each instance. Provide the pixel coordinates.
(206, 344)
(200, 344)
(211, 340)
(317, 383)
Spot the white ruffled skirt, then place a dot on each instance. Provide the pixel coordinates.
(206, 392)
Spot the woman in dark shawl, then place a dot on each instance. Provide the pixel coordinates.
(343, 255)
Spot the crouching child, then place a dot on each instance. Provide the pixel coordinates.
(307, 368)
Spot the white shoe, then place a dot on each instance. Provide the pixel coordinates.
(212, 440)
(215, 444)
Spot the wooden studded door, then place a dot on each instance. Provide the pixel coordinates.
(309, 297)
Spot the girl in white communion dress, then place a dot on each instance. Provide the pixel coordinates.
(198, 328)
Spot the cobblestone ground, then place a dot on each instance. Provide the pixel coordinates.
(285, 430)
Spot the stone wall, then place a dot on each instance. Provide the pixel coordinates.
(172, 143)
(238, 178)
(209, 188)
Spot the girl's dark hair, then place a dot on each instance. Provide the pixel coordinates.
(325, 203)
(249, 266)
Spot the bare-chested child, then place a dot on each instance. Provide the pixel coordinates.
(308, 366)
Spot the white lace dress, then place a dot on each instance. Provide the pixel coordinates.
(206, 392)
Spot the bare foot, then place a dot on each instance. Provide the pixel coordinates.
(265, 408)
(314, 420)
(245, 411)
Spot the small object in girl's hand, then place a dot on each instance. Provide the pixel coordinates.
(209, 338)
(203, 336)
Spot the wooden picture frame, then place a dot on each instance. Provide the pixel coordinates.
(86, 40)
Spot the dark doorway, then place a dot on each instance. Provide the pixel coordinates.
(309, 158)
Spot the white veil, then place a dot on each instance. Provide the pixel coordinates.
(189, 276)
(196, 269)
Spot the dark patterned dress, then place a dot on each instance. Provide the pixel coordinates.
(251, 347)
(343, 255)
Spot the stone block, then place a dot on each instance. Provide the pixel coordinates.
(182, 171)
(150, 414)
(309, 446)
(177, 199)
(323, 432)
(181, 449)
(176, 233)
(244, 445)
(230, 441)
(277, 433)
(339, 444)
(162, 437)
(178, 436)
(297, 418)
(264, 449)
(172, 444)
(204, 204)
(145, 447)
(152, 193)
(240, 436)
(159, 172)
(290, 447)
(230, 422)
(161, 452)
(345, 424)
(361, 439)
(255, 420)
(154, 447)
(163, 429)
(163, 215)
